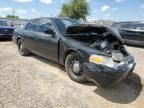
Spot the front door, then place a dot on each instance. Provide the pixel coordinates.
(47, 44)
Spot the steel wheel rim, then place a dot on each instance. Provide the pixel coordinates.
(72, 66)
(20, 47)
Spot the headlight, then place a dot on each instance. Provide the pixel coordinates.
(97, 59)
(102, 60)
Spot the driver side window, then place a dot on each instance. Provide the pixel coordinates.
(45, 24)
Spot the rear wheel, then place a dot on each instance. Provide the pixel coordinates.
(22, 50)
(74, 67)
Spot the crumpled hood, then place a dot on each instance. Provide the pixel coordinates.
(91, 29)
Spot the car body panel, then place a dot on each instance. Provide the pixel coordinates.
(131, 36)
(57, 47)
(6, 31)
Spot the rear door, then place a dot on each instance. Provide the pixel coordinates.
(30, 33)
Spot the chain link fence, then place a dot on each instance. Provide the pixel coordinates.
(18, 23)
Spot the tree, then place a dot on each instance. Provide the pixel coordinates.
(11, 16)
(77, 9)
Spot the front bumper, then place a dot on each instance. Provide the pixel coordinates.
(6, 36)
(106, 76)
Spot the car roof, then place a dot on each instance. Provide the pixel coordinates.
(130, 22)
(68, 18)
(51, 18)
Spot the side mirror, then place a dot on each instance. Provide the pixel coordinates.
(12, 25)
(49, 31)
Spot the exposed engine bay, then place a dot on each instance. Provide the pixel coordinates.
(100, 38)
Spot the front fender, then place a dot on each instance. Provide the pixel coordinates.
(70, 50)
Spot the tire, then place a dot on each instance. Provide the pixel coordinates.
(74, 67)
(22, 50)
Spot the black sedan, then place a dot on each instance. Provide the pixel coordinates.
(131, 32)
(89, 53)
(6, 31)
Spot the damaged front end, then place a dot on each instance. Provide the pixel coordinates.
(114, 62)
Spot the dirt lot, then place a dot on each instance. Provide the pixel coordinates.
(33, 82)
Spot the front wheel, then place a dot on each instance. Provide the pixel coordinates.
(22, 50)
(74, 67)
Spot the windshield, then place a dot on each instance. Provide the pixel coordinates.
(3, 23)
(62, 24)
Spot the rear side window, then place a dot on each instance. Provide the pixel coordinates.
(127, 26)
(140, 26)
(32, 25)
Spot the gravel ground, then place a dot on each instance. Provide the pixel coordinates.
(34, 82)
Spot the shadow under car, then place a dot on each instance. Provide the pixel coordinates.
(123, 92)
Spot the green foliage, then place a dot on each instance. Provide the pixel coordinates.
(11, 16)
(76, 9)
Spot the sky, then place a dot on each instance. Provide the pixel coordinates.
(116, 10)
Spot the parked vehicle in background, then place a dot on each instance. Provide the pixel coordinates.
(6, 31)
(94, 53)
(131, 32)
